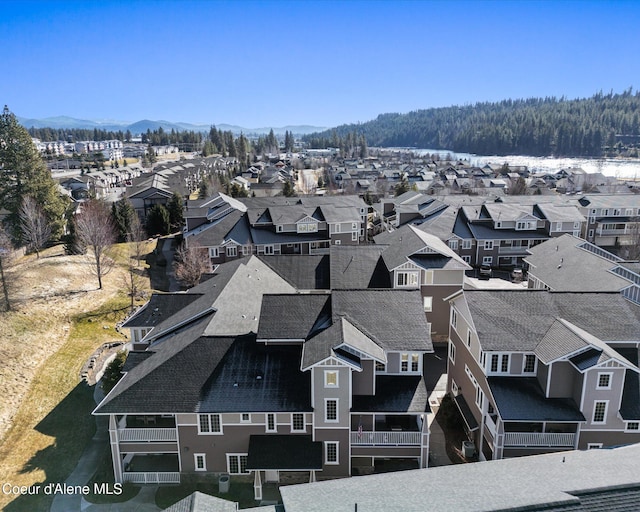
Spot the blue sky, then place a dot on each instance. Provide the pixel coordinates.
(324, 63)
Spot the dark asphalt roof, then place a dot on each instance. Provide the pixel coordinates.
(160, 307)
(586, 359)
(361, 267)
(290, 316)
(394, 319)
(395, 394)
(630, 407)
(303, 271)
(522, 399)
(255, 378)
(518, 320)
(134, 358)
(465, 412)
(284, 452)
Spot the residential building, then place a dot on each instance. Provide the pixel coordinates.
(613, 220)
(246, 374)
(231, 228)
(538, 371)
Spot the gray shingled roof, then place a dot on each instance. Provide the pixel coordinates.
(395, 394)
(394, 319)
(201, 502)
(160, 307)
(291, 317)
(284, 452)
(255, 378)
(303, 271)
(519, 320)
(522, 399)
(535, 484)
(562, 266)
(358, 267)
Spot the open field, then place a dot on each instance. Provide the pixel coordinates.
(60, 318)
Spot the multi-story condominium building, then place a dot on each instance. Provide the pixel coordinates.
(611, 219)
(244, 375)
(539, 371)
(231, 228)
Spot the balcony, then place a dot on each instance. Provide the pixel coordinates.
(539, 439)
(513, 249)
(391, 438)
(147, 434)
(152, 477)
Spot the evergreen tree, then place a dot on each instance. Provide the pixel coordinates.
(158, 220)
(175, 207)
(24, 173)
(402, 187)
(122, 213)
(288, 190)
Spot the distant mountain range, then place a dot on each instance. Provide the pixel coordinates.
(140, 127)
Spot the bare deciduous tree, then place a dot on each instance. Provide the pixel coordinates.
(96, 232)
(34, 226)
(190, 263)
(132, 280)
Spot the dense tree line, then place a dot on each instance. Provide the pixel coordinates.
(602, 124)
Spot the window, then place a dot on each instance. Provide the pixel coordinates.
(279, 229)
(633, 426)
(466, 244)
(200, 461)
(454, 388)
(453, 244)
(604, 381)
(488, 245)
(427, 302)
(590, 235)
(237, 464)
(468, 337)
(466, 259)
(600, 412)
(454, 318)
(213, 252)
(415, 362)
(452, 352)
(354, 236)
(209, 424)
(499, 363)
(336, 228)
(297, 422)
(331, 410)
(271, 423)
(331, 452)
(404, 362)
(381, 367)
(232, 252)
(529, 363)
(628, 212)
(487, 260)
(594, 446)
(407, 279)
(268, 249)
(246, 250)
(245, 417)
(479, 397)
(354, 225)
(558, 226)
(330, 379)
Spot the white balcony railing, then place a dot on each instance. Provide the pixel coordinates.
(152, 477)
(147, 434)
(491, 426)
(539, 439)
(394, 438)
(515, 249)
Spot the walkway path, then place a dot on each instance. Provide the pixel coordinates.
(144, 501)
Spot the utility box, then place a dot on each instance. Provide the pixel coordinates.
(468, 449)
(223, 483)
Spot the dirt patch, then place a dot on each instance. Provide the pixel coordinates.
(47, 293)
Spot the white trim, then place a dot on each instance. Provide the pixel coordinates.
(326, 453)
(604, 374)
(604, 415)
(242, 420)
(337, 375)
(238, 455)
(204, 461)
(275, 422)
(304, 422)
(326, 404)
(210, 431)
(594, 446)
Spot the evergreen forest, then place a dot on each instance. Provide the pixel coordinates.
(603, 125)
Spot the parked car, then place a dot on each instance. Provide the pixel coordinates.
(485, 272)
(517, 275)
